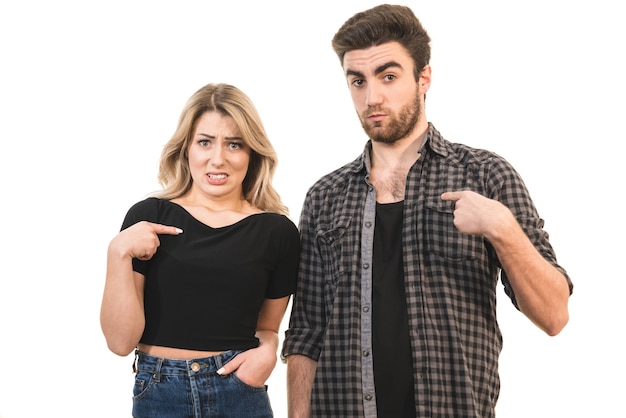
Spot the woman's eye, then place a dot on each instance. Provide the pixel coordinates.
(234, 145)
(204, 142)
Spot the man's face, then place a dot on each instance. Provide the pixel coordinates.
(384, 91)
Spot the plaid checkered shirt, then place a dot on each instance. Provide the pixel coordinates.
(450, 283)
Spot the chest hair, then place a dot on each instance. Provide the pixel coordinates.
(390, 186)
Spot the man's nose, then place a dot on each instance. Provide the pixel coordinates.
(374, 95)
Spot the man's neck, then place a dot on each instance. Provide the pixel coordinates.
(400, 154)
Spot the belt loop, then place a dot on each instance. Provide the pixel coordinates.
(157, 373)
(135, 361)
(225, 357)
(218, 361)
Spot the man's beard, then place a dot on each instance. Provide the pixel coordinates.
(397, 128)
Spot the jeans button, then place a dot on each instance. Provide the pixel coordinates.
(195, 366)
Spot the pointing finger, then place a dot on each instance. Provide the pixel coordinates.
(166, 229)
(451, 196)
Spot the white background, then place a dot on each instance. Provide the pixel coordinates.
(90, 91)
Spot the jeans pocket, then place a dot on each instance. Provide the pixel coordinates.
(143, 382)
(250, 388)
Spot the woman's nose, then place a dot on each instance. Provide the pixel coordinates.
(217, 156)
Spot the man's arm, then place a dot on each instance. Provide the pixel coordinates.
(541, 290)
(300, 374)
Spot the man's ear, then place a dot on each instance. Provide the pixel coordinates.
(424, 79)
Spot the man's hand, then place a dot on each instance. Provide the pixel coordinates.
(477, 215)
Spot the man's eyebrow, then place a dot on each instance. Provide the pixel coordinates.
(384, 67)
(380, 69)
(354, 73)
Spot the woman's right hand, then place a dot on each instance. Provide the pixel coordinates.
(121, 314)
(141, 240)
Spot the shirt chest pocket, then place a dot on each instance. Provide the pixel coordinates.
(334, 247)
(443, 238)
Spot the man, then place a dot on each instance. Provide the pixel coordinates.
(395, 310)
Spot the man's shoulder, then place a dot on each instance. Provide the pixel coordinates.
(461, 153)
(339, 177)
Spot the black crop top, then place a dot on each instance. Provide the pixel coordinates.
(204, 288)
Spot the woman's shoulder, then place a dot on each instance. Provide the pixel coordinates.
(272, 221)
(276, 218)
(149, 209)
(149, 204)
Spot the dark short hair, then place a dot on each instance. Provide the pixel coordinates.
(382, 24)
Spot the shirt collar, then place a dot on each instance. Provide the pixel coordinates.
(433, 141)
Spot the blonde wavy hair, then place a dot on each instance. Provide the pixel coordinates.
(174, 174)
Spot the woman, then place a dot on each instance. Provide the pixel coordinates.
(200, 276)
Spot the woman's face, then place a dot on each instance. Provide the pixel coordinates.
(218, 157)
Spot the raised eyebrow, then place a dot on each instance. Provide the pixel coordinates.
(354, 73)
(228, 138)
(377, 71)
(384, 67)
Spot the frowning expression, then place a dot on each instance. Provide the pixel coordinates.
(218, 157)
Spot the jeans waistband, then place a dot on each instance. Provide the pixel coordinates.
(204, 365)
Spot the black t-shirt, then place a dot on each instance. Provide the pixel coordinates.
(393, 364)
(204, 288)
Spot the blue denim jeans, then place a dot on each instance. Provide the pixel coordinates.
(192, 388)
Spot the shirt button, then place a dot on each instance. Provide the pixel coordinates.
(368, 397)
(366, 266)
(195, 366)
(366, 309)
(366, 353)
(368, 224)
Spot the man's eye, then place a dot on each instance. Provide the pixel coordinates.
(389, 77)
(357, 82)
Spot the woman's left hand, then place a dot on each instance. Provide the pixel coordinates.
(253, 366)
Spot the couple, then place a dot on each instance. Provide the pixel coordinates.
(393, 267)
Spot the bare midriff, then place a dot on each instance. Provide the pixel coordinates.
(175, 353)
